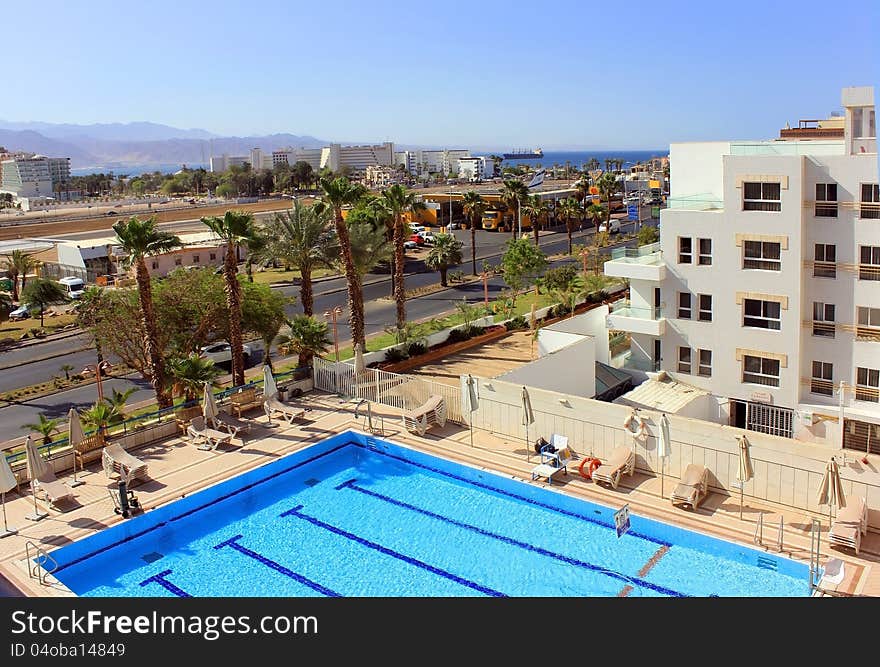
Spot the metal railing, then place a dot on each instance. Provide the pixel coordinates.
(645, 251)
(697, 202)
(40, 564)
(811, 147)
(623, 308)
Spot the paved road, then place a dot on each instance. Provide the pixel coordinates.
(378, 314)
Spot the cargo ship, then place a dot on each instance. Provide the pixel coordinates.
(523, 154)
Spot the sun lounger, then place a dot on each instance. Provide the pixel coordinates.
(52, 488)
(287, 412)
(431, 412)
(232, 425)
(116, 460)
(622, 460)
(693, 487)
(851, 523)
(209, 438)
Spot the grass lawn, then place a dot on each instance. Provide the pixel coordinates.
(16, 329)
(280, 275)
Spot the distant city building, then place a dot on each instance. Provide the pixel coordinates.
(423, 162)
(260, 160)
(376, 176)
(357, 158)
(224, 162)
(475, 168)
(311, 156)
(33, 176)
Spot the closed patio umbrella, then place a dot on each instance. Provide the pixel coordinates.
(269, 386)
(37, 467)
(664, 447)
(209, 404)
(473, 403)
(75, 437)
(7, 483)
(746, 471)
(831, 488)
(528, 418)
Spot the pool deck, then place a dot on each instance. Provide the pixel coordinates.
(177, 468)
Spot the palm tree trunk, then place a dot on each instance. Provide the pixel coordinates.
(14, 276)
(233, 305)
(306, 295)
(155, 365)
(399, 287)
(474, 244)
(443, 270)
(536, 226)
(355, 296)
(513, 225)
(568, 230)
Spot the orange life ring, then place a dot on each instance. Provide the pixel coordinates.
(594, 463)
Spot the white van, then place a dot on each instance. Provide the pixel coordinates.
(74, 287)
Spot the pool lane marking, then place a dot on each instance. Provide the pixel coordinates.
(233, 542)
(352, 484)
(167, 585)
(511, 494)
(298, 513)
(652, 561)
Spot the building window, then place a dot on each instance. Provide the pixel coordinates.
(826, 200)
(684, 305)
(705, 252)
(195, 259)
(823, 319)
(867, 384)
(869, 324)
(705, 302)
(685, 250)
(155, 264)
(761, 314)
(870, 207)
(759, 370)
(825, 255)
(705, 368)
(684, 360)
(762, 197)
(762, 255)
(822, 380)
(212, 256)
(178, 261)
(869, 262)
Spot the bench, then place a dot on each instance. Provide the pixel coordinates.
(431, 412)
(90, 445)
(243, 400)
(183, 416)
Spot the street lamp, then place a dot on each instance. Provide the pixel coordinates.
(97, 369)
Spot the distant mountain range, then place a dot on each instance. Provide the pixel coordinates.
(119, 144)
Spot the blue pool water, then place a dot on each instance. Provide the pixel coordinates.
(358, 516)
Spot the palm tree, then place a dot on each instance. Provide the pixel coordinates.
(570, 209)
(398, 200)
(582, 189)
(474, 207)
(569, 295)
(496, 164)
(100, 416)
(234, 228)
(369, 247)
(536, 208)
(42, 293)
(141, 239)
(87, 315)
(189, 375)
(340, 192)
(5, 306)
(306, 337)
(445, 252)
(302, 238)
(607, 187)
(45, 427)
(66, 368)
(117, 401)
(19, 264)
(595, 212)
(513, 193)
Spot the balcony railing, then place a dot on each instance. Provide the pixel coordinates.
(646, 254)
(869, 334)
(624, 309)
(812, 147)
(699, 202)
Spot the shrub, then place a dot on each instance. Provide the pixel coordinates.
(416, 348)
(559, 277)
(458, 335)
(559, 310)
(597, 297)
(518, 322)
(474, 330)
(396, 354)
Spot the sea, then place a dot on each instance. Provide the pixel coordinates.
(578, 159)
(135, 169)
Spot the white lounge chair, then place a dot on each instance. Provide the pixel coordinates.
(693, 487)
(209, 437)
(224, 421)
(622, 460)
(115, 459)
(287, 412)
(431, 412)
(52, 488)
(851, 523)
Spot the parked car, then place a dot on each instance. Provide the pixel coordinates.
(221, 352)
(428, 237)
(112, 213)
(612, 226)
(454, 225)
(417, 239)
(410, 245)
(416, 228)
(22, 312)
(74, 287)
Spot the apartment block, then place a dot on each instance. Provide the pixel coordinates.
(764, 288)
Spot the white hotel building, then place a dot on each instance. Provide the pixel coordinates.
(764, 289)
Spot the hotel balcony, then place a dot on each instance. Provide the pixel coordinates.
(645, 263)
(623, 317)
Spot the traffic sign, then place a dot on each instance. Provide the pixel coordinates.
(633, 211)
(621, 520)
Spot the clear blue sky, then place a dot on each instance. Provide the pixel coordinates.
(480, 73)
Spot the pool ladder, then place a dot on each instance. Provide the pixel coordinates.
(380, 430)
(759, 532)
(37, 566)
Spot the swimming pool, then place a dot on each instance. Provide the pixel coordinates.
(358, 516)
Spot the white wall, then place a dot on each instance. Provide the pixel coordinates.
(568, 370)
(696, 168)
